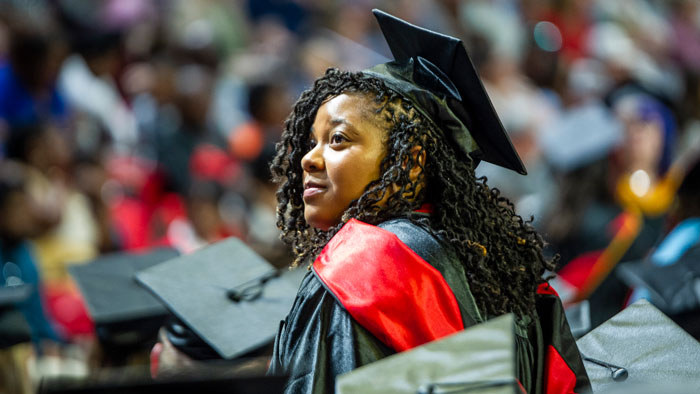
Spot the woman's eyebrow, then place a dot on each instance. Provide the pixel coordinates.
(337, 121)
(342, 121)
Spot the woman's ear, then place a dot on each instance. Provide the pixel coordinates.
(418, 157)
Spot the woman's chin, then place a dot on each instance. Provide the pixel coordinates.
(319, 222)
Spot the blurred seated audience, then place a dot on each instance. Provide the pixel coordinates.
(614, 209)
(669, 276)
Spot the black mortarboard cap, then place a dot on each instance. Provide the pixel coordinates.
(480, 359)
(226, 294)
(638, 347)
(673, 288)
(125, 314)
(435, 73)
(110, 290)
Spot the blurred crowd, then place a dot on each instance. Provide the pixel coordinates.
(131, 124)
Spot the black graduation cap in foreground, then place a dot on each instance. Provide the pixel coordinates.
(480, 359)
(124, 312)
(110, 289)
(434, 72)
(640, 350)
(229, 296)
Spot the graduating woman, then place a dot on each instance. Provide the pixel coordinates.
(378, 195)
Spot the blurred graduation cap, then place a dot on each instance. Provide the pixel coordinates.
(640, 347)
(229, 296)
(580, 136)
(124, 313)
(673, 288)
(434, 72)
(11, 295)
(480, 359)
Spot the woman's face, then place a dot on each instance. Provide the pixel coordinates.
(347, 146)
(643, 145)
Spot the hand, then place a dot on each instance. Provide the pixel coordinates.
(165, 358)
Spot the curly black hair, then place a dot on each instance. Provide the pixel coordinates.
(501, 253)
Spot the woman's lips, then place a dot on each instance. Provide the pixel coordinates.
(311, 190)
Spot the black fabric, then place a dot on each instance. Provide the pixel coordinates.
(13, 327)
(552, 328)
(674, 289)
(319, 340)
(186, 341)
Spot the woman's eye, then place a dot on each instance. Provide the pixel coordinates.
(337, 139)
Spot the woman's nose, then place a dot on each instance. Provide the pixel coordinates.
(313, 159)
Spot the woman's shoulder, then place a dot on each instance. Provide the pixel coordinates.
(427, 244)
(420, 238)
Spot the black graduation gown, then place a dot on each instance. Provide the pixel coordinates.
(320, 340)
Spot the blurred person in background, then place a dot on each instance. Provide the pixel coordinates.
(526, 111)
(213, 208)
(253, 143)
(18, 223)
(573, 19)
(668, 277)
(576, 146)
(524, 108)
(192, 99)
(90, 76)
(268, 104)
(28, 91)
(263, 235)
(203, 224)
(613, 209)
(642, 166)
(90, 178)
(68, 232)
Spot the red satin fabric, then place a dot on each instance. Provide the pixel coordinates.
(387, 288)
(546, 289)
(559, 378)
(425, 208)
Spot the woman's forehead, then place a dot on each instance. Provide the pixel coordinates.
(350, 109)
(361, 101)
